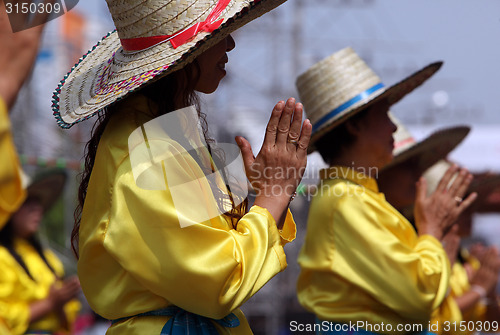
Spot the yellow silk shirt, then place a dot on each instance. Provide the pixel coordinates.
(18, 290)
(135, 257)
(12, 194)
(449, 312)
(363, 261)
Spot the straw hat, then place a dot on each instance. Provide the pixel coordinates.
(428, 151)
(342, 85)
(47, 187)
(483, 185)
(152, 39)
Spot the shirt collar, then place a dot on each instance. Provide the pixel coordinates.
(344, 172)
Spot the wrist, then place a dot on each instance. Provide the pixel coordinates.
(432, 232)
(280, 200)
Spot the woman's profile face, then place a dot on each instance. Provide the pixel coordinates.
(27, 219)
(212, 65)
(375, 138)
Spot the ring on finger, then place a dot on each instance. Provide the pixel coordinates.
(294, 142)
(458, 200)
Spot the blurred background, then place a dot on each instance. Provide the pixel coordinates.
(395, 38)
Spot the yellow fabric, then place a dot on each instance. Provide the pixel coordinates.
(363, 261)
(135, 257)
(12, 194)
(18, 290)
(460, 284)
(449, 310)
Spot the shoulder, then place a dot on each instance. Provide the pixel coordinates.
(335, 192)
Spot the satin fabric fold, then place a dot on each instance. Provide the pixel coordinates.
(450, 311)
(362, 260)
(136, 257)
(12, 194)
(18, 290)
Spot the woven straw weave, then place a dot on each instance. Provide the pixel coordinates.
(343, 76)
(108, 73)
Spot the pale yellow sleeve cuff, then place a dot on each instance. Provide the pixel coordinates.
(431, 239)
(434, 243)
(289, 230)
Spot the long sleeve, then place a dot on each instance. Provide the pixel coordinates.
(363, 261)
(12, 194)
(370, 252)
(144, 248)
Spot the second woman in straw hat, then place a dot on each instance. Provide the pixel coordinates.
(166, 243)
(362, 262)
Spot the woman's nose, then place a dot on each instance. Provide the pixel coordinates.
(230, 43)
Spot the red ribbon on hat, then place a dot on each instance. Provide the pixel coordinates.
(182, 37)
(409, 140)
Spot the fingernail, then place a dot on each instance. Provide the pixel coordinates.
(290, 102)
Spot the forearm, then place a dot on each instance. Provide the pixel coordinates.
(467, 301)
(39, 309)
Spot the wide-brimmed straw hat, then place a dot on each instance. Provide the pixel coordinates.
(428, 151)
(152, 39)
(47, 187)
(342, 85)
(485, 184)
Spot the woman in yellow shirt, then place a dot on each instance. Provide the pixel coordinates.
(364, 270)
(166, 243)
(34, 297)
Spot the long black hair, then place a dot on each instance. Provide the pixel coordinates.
(170, 93)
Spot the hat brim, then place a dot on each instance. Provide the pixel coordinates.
(107, 74)
(485, 184)
(392, 94)
(47, 188)
(432, 149)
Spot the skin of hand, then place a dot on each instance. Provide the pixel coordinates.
(60, 293)
(18, 51)
(451, 243)
(277, 170)
(436, 213)
(486, 277)
(487, 274)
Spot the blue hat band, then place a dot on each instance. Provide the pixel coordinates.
(346, 105)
